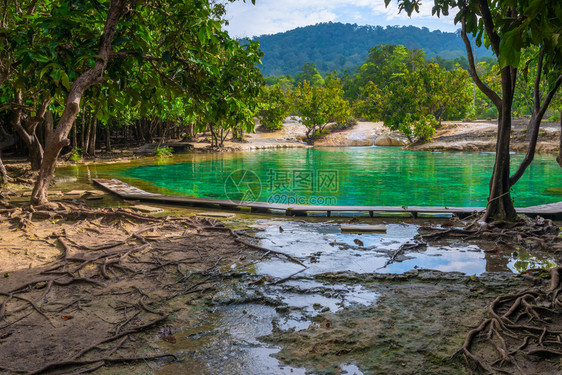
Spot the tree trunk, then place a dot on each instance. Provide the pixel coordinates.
(92, 150)
(87, 136)
(49, 125)
(529, 130)
(28, 132)
(31, 141)
(82, 130)
(3, 172)
(59, 138)
(559, 158)
(191, 131)
(9, 141)
(107, 139)
(500, 206)
(74, 136)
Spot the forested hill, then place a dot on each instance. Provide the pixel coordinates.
(337, 46)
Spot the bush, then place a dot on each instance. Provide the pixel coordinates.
(555, 117)
(76, 154)
(163, 152)
(491, 113)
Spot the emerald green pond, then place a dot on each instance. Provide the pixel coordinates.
(343, 176)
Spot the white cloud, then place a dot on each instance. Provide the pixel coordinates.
(273, 16)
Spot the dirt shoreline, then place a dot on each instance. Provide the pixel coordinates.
(452, 136)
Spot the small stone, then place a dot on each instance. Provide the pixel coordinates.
(75, 192)
(148, 209)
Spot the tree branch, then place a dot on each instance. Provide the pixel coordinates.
(34, 121)
(494, 97)
(535, 130)
(537, 97)
(167, 78)
(489, 26)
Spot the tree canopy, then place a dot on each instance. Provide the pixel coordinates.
(169, 59)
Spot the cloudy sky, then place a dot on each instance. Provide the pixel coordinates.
(273, 16)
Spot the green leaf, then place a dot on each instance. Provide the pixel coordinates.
(64, 80)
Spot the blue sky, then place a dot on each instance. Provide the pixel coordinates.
(273, 16)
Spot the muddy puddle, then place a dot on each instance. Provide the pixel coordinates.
(348, 311)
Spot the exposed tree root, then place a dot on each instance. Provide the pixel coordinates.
(123, 264)
(521, 326)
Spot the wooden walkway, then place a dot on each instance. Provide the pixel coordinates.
(126, 191)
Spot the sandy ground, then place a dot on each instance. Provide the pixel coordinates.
(453, 136)
(481, 136)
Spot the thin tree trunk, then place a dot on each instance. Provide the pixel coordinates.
(82, 130)
(28, 132)
(3, 172)
(59, 138)
(559, 158)
(9, 141)
(191, 131)
(87, 136)
(107, 139)
(74, 135)
(94, 130)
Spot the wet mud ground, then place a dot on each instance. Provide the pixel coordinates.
(346, 312)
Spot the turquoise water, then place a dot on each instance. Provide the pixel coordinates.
(351, 176)
(348, 176)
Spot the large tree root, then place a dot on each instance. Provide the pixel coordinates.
(522, 327)
(119, 268)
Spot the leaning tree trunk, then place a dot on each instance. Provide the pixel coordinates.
(59, 137)
(28, 132)
(500, 206)
(559, 158)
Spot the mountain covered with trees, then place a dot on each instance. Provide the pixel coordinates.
(340, 47)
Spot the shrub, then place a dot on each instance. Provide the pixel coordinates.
(76, 154)
(163, 152)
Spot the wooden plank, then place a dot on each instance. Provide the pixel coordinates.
(357, 228)
(147, 209)
(130, 192)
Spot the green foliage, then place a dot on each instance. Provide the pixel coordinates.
(172, 62)
(274, 107)
(343, 47)
(309, 73)
(164, 152)
(389, 84)
(76, 154)
(319, 105)
(555, 117)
